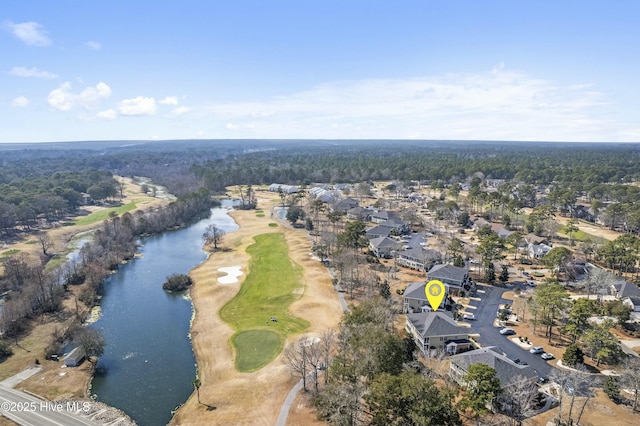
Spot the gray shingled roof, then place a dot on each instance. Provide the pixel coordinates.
(505, 368)
(416, 291)
(379, 230)
(625, 289)
(381, 242)
(430, 324)
(447, 272)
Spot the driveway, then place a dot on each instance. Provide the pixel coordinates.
(485, 312)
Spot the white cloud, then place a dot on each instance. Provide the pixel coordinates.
(139, 105)
(179, 111)
(31, 72)
(20, 102)
(108, 115)
(169, 100)
(90, 96)
(93, 45)
(63, 99)
(30, 33)
(453, 106)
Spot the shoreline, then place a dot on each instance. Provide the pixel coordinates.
(248, 398)
(54, 383)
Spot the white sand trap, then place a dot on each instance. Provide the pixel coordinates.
(233, 272)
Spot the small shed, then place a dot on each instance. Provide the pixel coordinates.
(75, 357)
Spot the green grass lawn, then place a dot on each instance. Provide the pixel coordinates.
(267, 292)
(10, 252)
(253, 347)
(578, 235)
(101, 215)
(260, 215)
(273, 224)
(582, 236)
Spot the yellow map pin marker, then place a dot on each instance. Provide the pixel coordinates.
(435, 293)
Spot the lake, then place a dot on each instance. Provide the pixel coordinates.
(148, 362)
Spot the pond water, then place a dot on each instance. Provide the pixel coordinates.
(148, 362)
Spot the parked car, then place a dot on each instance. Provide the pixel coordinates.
(470, 317)
(536, 350)
(542, 379)
(507, 331)
(547, 356)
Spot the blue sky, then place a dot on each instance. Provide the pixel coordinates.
(492, 70)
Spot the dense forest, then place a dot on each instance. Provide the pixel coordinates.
(48, 181)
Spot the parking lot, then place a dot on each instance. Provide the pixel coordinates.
(484, 307)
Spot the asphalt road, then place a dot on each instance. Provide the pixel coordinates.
(485, 314)
(28, 410)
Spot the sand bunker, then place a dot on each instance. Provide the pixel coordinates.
(233, 272)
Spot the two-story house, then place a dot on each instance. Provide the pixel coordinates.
(437, 331)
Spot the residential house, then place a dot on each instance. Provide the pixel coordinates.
(382, 216)
(437, 331)
(418, 258)
(400, 227)
(343, 206)
(287, 189)
(499, 229)
(360, 213)
(537, 251)
(633, 302)
(326, 195)
(479, 223)
(506, 369)
(535, 239)
(584, 213)
(383, 247)
(414, 300)
(378, 231)
(502, 232)
(621, 289)
(454, 278)
(343, 187)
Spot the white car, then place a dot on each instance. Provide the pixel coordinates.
(536, 350)
(507, 331)
(547, 356)
(470, 317)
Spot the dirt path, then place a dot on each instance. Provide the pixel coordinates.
(248, 398)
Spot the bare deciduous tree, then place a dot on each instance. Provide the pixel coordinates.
(519, 399)
(598, 282)
(631, 378)
(574, 383)
(45, 242)
(296, 356)
(213, 235)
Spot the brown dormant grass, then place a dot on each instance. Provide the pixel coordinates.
(248, 398)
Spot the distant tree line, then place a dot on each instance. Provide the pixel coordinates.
(582, 167)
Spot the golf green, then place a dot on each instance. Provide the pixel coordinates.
(261, 305)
